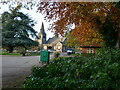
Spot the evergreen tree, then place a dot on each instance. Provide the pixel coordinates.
(17, 28)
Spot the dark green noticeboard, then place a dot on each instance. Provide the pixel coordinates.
(44, 56)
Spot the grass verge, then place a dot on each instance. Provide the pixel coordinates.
(18, 54)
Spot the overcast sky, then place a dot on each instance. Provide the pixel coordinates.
(38, 17)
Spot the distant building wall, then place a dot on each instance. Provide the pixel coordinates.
(58, 47)
(88, 50)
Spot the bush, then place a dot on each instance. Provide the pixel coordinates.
(33, 53)
(22, 51)
(109, 54)
(83, 54)
(14, 54)
(56, 54)
(100, 71)
(87, 54)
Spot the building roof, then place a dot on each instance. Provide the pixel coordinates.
(53, 40)
(63, 41)
(42, 30)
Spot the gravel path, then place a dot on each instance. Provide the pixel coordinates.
(16, 68)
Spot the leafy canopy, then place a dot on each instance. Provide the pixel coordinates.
(91, 19)
(17, 29)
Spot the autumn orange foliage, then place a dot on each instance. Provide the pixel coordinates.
(88, 18)
(86, 35)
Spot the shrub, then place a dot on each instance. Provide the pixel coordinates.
(109, 54)
(76, 54)
(14, 54)
(83, 54)
(22, 51)
(87, 54)
(100, 71)
(56, 54)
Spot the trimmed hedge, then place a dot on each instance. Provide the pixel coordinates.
(14, 54)
(100, 71)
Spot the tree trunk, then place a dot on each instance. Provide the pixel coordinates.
(23, 54)
(10, 49)
(118, 42)
(24, 51)
(109, 32)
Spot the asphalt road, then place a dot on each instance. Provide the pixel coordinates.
(16, 67)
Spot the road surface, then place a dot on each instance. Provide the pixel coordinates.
(16, 67)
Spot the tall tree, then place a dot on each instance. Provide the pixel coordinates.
(16, 29)
(71, 40)
(102, 17)
(0, 32)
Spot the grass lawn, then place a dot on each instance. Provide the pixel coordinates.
(33, 54)
(18, 54)
(13, 54)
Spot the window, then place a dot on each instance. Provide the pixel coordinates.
(90, 50)
(45, 47)
(59, 47)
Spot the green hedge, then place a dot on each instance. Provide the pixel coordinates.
(83, 54)
(14, 54)
(100, 71)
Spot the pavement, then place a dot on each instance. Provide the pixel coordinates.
(16, 68)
